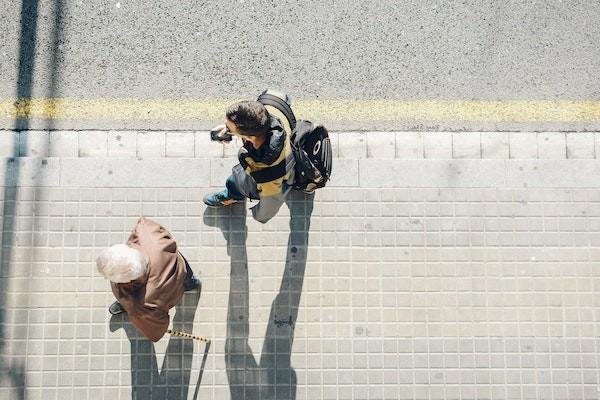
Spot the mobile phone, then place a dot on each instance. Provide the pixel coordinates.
(216, 137)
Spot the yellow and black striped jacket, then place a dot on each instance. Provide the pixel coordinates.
(272, 163)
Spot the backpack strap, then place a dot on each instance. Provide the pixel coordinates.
(281, 108)
(281, 105)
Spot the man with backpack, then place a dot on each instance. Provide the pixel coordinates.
(272, 160)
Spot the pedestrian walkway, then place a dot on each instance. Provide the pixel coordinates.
(435, 266)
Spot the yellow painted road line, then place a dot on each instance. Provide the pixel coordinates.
(121, 109)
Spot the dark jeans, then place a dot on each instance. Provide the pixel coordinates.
(240, 185)
(189, 276)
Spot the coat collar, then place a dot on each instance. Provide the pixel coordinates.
(273, 146)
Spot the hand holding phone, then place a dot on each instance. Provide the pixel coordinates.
(220, 134)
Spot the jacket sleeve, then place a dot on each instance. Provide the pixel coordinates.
(272, 187)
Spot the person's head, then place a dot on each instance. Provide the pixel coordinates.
(248, 119)
(121, 263)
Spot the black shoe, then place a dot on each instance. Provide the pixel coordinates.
(116, 308)
(191, 284)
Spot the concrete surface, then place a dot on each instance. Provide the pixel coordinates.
(334, 49)
(359, 50)
(450, 278)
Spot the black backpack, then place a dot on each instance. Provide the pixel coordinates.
(310, 145)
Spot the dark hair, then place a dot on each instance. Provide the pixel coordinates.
(250, 117)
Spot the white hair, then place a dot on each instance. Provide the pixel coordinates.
(121, 263)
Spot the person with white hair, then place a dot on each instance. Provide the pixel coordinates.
(148, 277)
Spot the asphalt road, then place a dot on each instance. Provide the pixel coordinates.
(320, 50)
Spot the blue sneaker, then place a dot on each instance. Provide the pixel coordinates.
(219, 199)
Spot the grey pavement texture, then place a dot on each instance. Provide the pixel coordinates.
(334, 49)
(450, 278)
(410, 50)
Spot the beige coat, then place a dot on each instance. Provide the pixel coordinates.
(148, 299)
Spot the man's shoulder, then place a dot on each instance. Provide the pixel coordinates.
(274, 146)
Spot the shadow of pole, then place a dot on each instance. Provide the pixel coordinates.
(28, 36)
(273, 378)
(56, 41)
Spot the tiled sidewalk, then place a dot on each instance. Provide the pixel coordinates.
(450, 279)
(349, 145)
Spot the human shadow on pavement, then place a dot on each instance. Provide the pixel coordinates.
(273, 377)
(173, 379)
